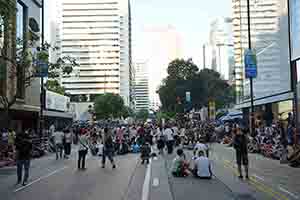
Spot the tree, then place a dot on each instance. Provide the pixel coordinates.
(204, 86)
(109, 106)
(142, 114)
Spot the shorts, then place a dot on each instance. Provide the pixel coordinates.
(241, 158)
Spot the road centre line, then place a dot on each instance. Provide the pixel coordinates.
(288, 192)
(41, 178)
(146, 185)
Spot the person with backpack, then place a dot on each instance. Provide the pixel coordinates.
(108, 149)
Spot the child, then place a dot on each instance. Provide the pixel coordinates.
(180, 165)
(145, 152)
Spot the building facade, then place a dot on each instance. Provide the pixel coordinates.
(270, 40)
(98, 34)
(222, 51)
(24, 98)
(141, 86)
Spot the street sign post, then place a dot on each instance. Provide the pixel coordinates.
(250, 64)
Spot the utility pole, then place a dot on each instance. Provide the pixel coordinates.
(204, 57)
(251, 78)
(42, 78)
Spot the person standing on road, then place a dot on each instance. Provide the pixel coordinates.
(23, 149)
(240, 143)
(58, 140)
(83, 150)
(170, 139)
(68, 142)
(108, 150)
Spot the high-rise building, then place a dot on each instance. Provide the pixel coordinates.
(98, 34)
(141, 86)
(269, 38)
(222, 51)
(161, 46)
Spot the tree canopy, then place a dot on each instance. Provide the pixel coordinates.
(205, 85)
(109, 106)
(142, 114)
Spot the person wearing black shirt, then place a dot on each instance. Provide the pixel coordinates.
(108, 150)
(23, 149)
(240, 143)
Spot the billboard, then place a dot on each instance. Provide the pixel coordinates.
(295, 28)
(57, 102)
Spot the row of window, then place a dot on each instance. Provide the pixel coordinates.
(98, 3)
(102, 21)
(88, 64)
(93, 33)
(91, 88)
(89, 82)
(85, 40)
(83, 52)
(98, 70)
(89, 46)
(92, 27)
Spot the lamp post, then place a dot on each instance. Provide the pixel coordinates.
(251, 78)
(41, 125)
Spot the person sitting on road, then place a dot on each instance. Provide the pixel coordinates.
(135, 148)
(199, 146)
(180, 165)
(145, 152)
(202, 168)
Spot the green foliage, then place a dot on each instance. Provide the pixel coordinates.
(142, 115)
(165, 115)
(204, 86)
(109, 106)
(54, 86)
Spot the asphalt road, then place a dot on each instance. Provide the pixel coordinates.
(55, 180)
(51, 179)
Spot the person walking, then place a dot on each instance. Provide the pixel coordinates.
(83, 150)
(67, 142)
(108, 150)
(23, 150)
(170, 139)
(240, 143)
(58, 140)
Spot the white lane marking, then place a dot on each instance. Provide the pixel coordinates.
(41, 178)
(288, 192)
(146, 186)
(258, 177)
(155, 182)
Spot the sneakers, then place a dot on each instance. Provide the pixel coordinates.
(241, 177)
(114, 166)
(24, 183)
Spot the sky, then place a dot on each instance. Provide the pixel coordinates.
(190, 18)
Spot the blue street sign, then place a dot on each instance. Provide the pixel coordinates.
(42, 69)
(250, 64)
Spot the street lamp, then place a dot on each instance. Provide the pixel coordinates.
(41, 125)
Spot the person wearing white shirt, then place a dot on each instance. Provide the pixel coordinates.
(202, 168)
(170, 139)
(58, 137)
(200, 147)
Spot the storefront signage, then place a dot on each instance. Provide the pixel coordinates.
(57, 102)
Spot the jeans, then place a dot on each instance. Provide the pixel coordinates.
(67, 149)
(108, 153)
(20, 165)
(59, 150)
(170, 146)
(81, 158)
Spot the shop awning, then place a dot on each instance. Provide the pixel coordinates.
(266, 100)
